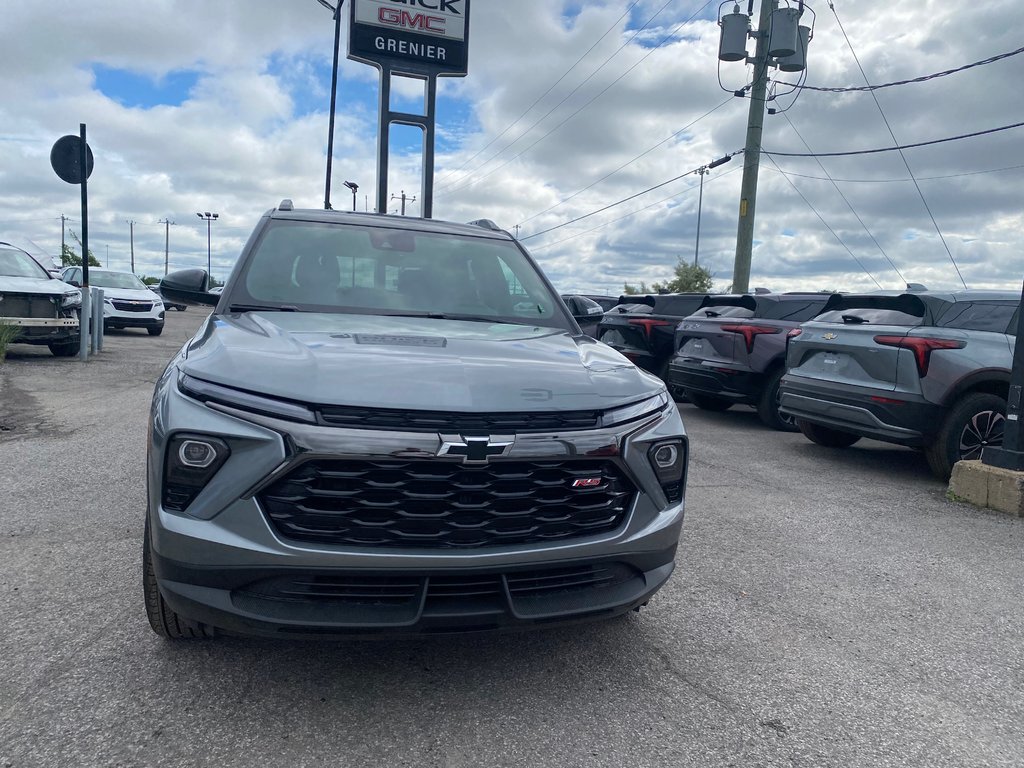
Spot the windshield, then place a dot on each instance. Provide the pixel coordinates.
(14, 263)
(327, 267)
(101, 279)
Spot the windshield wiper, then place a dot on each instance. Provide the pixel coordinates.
(854, 320)
(456, 316)
(261, 308)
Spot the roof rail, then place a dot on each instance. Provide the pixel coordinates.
(286, 205)
(486, 224)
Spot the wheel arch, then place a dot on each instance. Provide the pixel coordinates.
(993, 381)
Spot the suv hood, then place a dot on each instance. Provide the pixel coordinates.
(414, 363)
(35, 285)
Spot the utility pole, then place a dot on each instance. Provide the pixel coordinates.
(167, 242)
(131, 231)
(752, 152)
(403, 198)
(517, 226)
(106, 259)
(63, 218)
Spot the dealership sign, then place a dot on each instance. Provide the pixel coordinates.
(428, 37)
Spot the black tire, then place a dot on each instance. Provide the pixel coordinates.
(974, 421)
(63, 348)
(708, 402)
(155, 330)
(830, 438)
(768, 405)
(180, 308)
(164, 621)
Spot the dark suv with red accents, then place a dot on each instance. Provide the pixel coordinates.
(643, 327)
(733, 350)
(927, 370)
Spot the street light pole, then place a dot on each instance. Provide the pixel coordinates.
(355, 188)
(208, 218)
(703, 171)
(334, 96)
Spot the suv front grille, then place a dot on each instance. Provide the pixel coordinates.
(444, 505)
(456, 423)
(125, 305)
(27, 305)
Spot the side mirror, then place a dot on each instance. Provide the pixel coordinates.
(75, 283)
(189, 286)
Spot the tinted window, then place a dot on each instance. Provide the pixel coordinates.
(326, 267)
(14, 263)
(723, 311)
(796, 311)
(869, 315)
(100, 279)
(979, 316)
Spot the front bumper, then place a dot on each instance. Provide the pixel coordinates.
(313, 602)
(115, 318)
(225, 564)
(43, 330)
(889, 416)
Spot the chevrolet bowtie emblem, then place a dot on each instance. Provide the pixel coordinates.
(476, 450)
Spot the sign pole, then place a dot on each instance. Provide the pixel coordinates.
(85, 313)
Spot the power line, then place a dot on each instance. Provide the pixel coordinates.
(903, 157)
(549, 90)
(620, 202)
(901, 181)
(825, 223)
(897, 148)
(624, 165)
(477, 179)
(846, 200)
(633, 213)
(923, 78)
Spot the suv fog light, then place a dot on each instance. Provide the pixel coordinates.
(197, 453)
(668, 458)
(192, 461)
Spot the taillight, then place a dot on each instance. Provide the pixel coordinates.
(921, 347)
(647, 324)
(749, 332)
(794, 333)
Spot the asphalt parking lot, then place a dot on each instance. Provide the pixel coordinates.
(829, 608)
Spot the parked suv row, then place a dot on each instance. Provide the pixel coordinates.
(929, 370)
(733, 350)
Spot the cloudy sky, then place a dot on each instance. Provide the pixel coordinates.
(569, 108)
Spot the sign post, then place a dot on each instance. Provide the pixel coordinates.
(71, 159)
(421, 39)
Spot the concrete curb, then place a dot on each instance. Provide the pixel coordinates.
(985, 486)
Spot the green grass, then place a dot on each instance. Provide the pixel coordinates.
(7, 334)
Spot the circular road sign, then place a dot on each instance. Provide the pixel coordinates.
(65, 159)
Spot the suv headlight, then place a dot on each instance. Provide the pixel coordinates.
(71, 299)
(636, 411)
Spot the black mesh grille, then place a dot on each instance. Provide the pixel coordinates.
(27, 305)
(437, 504)
(132, 306)
(456, 423)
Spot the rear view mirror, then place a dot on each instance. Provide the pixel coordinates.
(189, 286)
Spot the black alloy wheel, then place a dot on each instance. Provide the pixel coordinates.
(975, 422)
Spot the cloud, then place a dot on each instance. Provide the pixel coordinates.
(568, 108)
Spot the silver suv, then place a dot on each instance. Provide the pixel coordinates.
(392, 425)
(929, 370)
